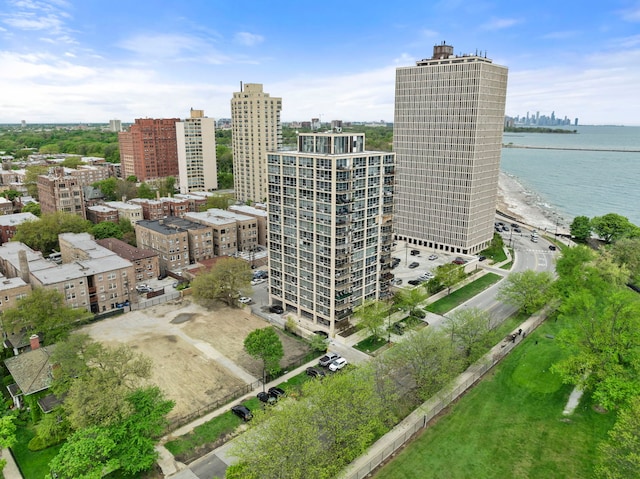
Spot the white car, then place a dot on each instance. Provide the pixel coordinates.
(337, 364)
(257, 281)
(426, 276)
(244, 300)
(433, 256)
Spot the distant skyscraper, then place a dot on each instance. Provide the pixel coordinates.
(196, 142)
(115, 125)
(256, 129)
(330, 227)
(148, 150)
(449, 119)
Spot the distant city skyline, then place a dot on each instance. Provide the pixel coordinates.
(66, 61)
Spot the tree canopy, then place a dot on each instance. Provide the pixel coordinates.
(581, 228)
(224, 282)
(612, 227)
(42, 234)
(42, 312)
(528, 290)
(264, 344)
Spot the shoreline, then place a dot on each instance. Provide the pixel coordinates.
(527, 207)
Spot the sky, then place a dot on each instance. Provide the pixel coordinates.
(89, 61)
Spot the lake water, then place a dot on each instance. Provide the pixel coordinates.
(573, 183)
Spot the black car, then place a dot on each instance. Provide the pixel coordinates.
(276, 392)
(266, 398)
(414, 265)
(276, 308)
(322, 333)
(414, 282)
(415, 252)
(315, 373)
(242, 412)
(481, 258)
(552, 247)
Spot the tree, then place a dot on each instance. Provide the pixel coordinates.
(97, 380)
(371, 316)
(31, 178)
(528, 290)
(167, 186)
(581, 228)
(449, 274)
(603, 342)
(308, 439)
(422, 364)
(218, 201)
(106, 229)
(7, 435)
(619, 458)
(410, 298)
(264, 344)
(108, 188)
(145, 191)
(470, 330)
(72, 162)
(87, 454)
(44, 312)
(33, 208)
(11, 194)
(223, 282)
(626, 252)
(612, 227)
(42, 235)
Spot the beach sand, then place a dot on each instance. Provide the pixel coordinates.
(514, 200)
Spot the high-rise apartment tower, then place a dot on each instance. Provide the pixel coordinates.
(449, 119)
(330, 227)
(196, 140)
(148, 150)
(255, 118)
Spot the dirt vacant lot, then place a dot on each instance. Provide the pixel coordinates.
(198, 354)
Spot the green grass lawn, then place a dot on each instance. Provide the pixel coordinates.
(509, 426)
(34, 465)
(463, 294)
(370, 344)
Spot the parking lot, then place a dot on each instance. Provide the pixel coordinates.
(407, 255)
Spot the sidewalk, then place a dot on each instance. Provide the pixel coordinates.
(11, 470)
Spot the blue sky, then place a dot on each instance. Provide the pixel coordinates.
(93, 60)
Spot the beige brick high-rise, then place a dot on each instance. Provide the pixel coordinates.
(449, 118)
(256, 129)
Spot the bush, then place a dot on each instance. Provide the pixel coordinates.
(37, 444)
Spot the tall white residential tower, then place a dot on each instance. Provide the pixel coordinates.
(256, 129)
(330, 210)
(196, 141)
(449, 119)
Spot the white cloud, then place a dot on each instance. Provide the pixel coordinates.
(248, 39)
(499, 23)
(560, 35)
(631, 14)
(173, 46)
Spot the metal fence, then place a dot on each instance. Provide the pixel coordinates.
(164, 298)
(386, 446)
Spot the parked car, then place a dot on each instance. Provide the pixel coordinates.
(315, 373)
(433, 256)
(337, 364)
(414, 265)
(144, 288)
(415, 252)
(517, 230)
(481, 258)
(459, 260)
(276, 308)
(399, 328)
(327, 358)
(552, 247)
(276, 392)
(244, 300)
(266, 398)
(534, 239)
(322, 333)
(243, 412)
(414, 282)
(426, 276)
(260, 274)
(397, 282)
(257, 281)
(418, 313)
(505, 228)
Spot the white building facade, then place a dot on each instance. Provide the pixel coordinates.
(330, 228)
(256, 129)
(449, 119)
(197, 164)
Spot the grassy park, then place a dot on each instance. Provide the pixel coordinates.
(463, 294)
(510, 425)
